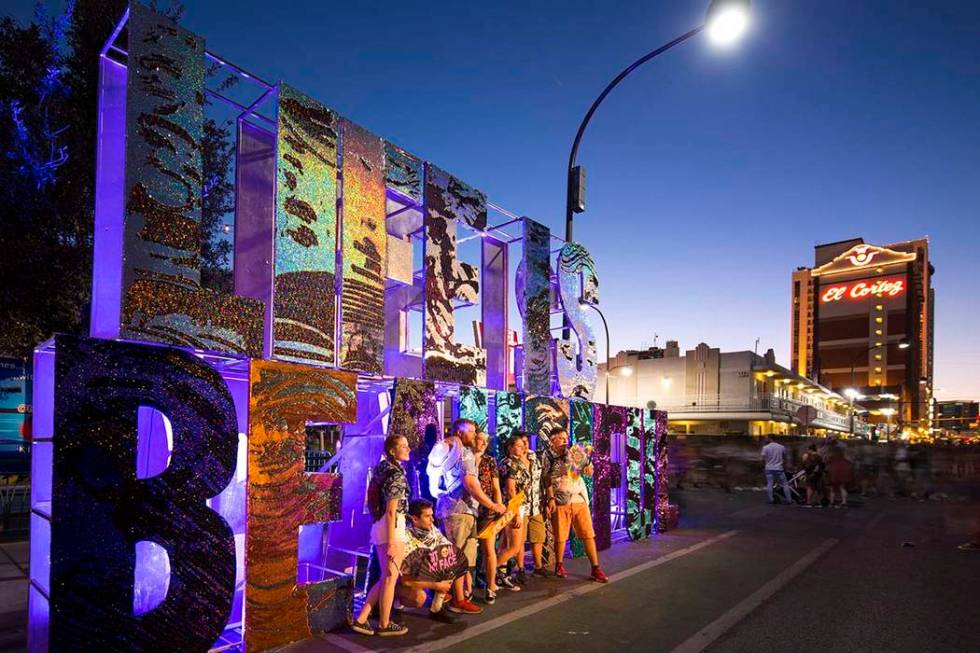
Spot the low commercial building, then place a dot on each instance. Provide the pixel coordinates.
(706, 391)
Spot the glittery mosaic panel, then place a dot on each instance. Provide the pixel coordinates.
(634, 474)
(449, 198)
(534, 297)
(607, 421)
(654, 423)
(100, 510)
(304, 306)
(413, 410)
(581, 433)
(328, 602)
(282, 496)
(472, 404)
(578, 285)
(666, 514)
(364, 244)
(542, 415)
(447, 280)
(508, 418)
(162, 298)
(403, 172)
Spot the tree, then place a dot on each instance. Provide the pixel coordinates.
(48, 116)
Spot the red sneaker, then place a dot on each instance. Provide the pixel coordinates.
(560, 570)
(464, 607)
(598, 576)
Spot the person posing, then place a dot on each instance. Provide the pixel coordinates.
(568, 503)
(516, 471)
(773, 454)
(388, 500)
(432, 564)
(453, 481)
(486, 472)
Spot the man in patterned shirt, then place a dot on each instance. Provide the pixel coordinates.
(453, 481)
(568, 502)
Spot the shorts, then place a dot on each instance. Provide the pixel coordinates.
(460, 529)
(379, 531)
(575, 515)
(535, 529)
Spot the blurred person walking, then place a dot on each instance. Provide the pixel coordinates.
(774, 454)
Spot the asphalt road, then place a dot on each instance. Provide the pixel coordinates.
(739, 575)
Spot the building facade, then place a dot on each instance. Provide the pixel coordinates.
(854, 312)
(957, 416)
(710, 392)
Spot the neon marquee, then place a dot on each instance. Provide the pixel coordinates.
(891, 287)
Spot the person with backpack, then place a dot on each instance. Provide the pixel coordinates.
(388, 501)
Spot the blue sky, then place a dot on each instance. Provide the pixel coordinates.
(711, 174)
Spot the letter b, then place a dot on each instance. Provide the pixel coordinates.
(100, 509)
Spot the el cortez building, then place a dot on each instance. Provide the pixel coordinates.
(851, 311)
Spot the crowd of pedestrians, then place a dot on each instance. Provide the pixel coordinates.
(469, 493)
(824, 476)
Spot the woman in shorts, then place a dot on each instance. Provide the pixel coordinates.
(388, 500)
(516, 471)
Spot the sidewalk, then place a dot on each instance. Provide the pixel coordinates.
(13, 595)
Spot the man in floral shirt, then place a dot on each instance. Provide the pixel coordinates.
(568, 501)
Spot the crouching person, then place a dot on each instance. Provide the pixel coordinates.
(432, 564)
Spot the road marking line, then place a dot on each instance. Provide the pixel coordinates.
(504, 619)
(700, 640)
(344, 644)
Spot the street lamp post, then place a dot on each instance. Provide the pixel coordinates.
(626, 369)
(725, 21)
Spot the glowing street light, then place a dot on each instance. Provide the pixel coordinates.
(727, 21)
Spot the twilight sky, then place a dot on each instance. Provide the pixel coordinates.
(711, 174)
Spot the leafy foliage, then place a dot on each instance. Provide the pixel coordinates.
(48, 117)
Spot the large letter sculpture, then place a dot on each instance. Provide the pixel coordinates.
(100, 509)
(282, 496)
(578, 286)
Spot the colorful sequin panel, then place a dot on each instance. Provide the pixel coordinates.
(162, 298)
(472, 403)
(534, 299)
(608, 421)
(634, 474)
(364, 245)
(282, 496)
(578, 286)
(304, 306)
(447, 280)
(508, 419)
